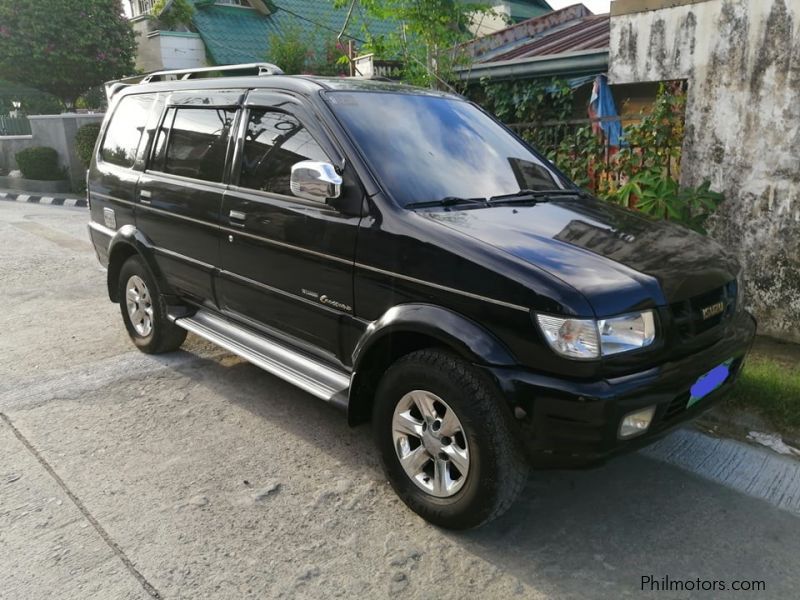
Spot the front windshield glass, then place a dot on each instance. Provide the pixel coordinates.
(425, 148)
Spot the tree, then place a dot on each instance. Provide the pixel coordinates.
(65, 47)
(428, 34)
(297, 51)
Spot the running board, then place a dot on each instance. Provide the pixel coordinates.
(310, 375)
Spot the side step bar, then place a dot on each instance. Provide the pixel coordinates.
(314, 377)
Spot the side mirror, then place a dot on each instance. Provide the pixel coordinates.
(317, 181)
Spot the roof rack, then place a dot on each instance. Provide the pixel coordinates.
(249, 69)
(257, 69)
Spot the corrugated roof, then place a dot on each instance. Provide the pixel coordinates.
(586, 33)
(570, 29)
(239, 35)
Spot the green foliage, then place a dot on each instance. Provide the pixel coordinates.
(85, 140)
(65, 47)
(297, 52)
(528, 100)
(34, 102)
(40, 163)
(770, 387)
(644, 173)
(180, 13)
(655, 194)
(428, 35)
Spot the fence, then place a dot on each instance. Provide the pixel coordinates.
(14, 126)
(142, 7)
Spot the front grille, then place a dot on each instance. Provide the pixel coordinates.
(688, 314)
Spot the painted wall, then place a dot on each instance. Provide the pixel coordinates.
(741, 59)
(182, 50)
(158, 50)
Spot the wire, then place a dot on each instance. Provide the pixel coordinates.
(347, 19)
(320, 25)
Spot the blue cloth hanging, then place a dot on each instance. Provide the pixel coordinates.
(603, 106)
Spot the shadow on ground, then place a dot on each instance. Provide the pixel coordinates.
(572, 531)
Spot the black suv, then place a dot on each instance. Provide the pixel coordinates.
(400, 253)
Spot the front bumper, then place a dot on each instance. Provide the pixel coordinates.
(565, 423)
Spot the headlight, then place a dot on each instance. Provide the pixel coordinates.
(628, 332)
(588, 338)
(574, 338)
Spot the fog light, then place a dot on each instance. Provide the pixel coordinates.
(636, 422)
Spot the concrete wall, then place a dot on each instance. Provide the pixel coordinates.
(54, 131)
(9, 146)
(181, 50)
(159, 50)
(741, 59)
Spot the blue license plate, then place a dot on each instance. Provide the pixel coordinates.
(709, 382)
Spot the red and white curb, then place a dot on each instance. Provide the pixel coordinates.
(36, 199)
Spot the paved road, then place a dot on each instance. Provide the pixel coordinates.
(195, 475)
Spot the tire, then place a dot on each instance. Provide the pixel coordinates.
(480, 441)
(150, 328)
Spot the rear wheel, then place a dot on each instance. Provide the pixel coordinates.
(144, 310)
(445, 440)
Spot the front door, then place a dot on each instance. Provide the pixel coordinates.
(287, 263)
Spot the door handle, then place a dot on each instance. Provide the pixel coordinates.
(237, 218)
(144, 196)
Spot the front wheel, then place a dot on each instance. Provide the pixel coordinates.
(445, 440)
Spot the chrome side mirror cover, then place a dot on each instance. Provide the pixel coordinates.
(316, 181)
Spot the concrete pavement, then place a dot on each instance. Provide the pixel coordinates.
(195, 475)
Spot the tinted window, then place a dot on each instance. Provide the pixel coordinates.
(197, 143)
(160, 146)
(274, 142)
(425, 148)
(125, 130)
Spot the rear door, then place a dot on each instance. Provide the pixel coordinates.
(180, 192)
(287, 262)
(115, 170)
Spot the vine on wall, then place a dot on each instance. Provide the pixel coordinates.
(642, 174)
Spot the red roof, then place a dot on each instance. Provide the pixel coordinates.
(587, 33)
(571, 29)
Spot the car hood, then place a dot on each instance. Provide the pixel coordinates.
(618, 259)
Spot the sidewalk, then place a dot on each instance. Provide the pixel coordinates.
(53, 199)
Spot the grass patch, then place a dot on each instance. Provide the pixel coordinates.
(770, 386)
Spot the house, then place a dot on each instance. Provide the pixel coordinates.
(571, 42)
(238, 31)
(223, 32)
(508, 12)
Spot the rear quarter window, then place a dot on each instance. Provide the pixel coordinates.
(125, 130)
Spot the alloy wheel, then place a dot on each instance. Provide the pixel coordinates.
(140, 306)
(430, 443)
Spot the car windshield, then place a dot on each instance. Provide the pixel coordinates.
(427, 148)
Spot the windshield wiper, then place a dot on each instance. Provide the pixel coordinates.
(447, 201)
(536, 196)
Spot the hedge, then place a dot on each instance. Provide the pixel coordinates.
(85, 139)
(39, 163)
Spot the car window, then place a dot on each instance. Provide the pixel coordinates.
(273, 143)
(425, 148)
(160, 146)
(125, 130)
(195, 144)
